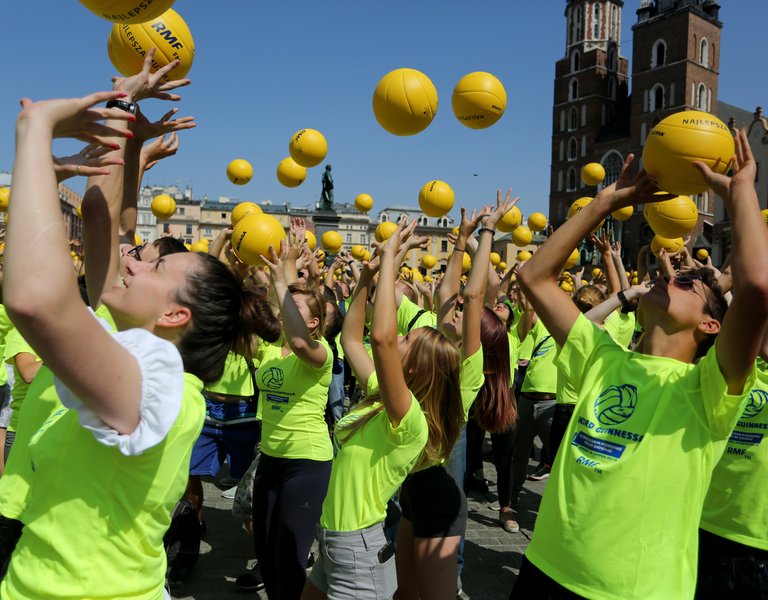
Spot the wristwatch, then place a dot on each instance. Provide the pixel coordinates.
(130, 107)
(624, 300)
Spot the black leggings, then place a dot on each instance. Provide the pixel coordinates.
(503, 445)
(560, 420)
(475, 436)
(288, 498)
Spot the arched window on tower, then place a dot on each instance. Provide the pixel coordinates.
(596, 22)
(573, 149)
(701, 100)
(577, 24)
(614, 22)
(573, 90)
(658, 101)
(612, 163)
(659, 54)
(571, 182)
(573, 119)
(575, 61)
(704, 53)
(612, 88)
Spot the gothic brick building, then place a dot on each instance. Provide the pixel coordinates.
(675, 50)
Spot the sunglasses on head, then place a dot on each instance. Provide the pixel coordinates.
(135, 252)
(686, 280)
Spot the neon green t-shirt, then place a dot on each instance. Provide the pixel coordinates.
(471, 379)
(371, 464)
(292, 401)
(406, 313)
(103, 313)
(14, 345)
(236, 379)
(736, 507)
(621, 327)
(620, 515)
(541, 375)
(5, 329)
(514, 352)
(97, 531)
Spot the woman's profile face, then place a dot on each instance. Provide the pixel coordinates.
(404, 342)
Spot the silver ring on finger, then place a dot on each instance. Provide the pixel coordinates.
(77, 169)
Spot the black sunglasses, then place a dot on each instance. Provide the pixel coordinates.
(135, 252)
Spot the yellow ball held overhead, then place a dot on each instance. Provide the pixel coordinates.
(428, 279)
(573, 259)
(405, 102)
(592, 173)
(384, 231)
(510, 220)
(331, 242)
(358, 252)
(679, 140)
(363, 202)
(622, 214)
(522, 236)
(537, 221)
(672, 218)
(367, 255)
(5, 198)
(308, 147)
(417, 276)
(524, 255)
(436, 198)
(253, 235)
(291, 174)
(127, 11)
(428, 261)
(199, 246)
(478, 100)
(311, 240)
(163, 207)
(243, 210)
(702, 254)
(670, 245)
(580, 203)
(502, 266)
(495, 258)
(128, 45)
(466, 263)
(239, 171)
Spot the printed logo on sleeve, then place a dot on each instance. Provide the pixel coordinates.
(757, 401)
(616, 404)
(273, 378)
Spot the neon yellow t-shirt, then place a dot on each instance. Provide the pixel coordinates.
(97, 531)
(471, 379)
(14, 345)
(736, 506)
(406, 313)
(621, 327)
(619, 518)
(292, 401)
(103, 313)
(236, 379)
(541, 375)
(370, 465)
(5, 329)
(514, 352)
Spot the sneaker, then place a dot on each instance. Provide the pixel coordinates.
(540, 474)
(250, 581)
(508, 524)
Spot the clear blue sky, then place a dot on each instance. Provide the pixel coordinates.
(266, 69)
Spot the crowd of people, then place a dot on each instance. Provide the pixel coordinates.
(352, 402)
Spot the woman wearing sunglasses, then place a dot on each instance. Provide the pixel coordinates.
(621, 511)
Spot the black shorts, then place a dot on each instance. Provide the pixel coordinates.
(431, 500)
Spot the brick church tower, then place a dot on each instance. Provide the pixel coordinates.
(675, 60)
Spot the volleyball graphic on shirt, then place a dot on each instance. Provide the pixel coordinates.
(273, 378)
(616, 404)
(757, 401)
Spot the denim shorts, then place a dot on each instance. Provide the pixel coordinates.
(355, 565)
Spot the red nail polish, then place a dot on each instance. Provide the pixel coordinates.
(129, 134)
(115, 146)
(122, 95)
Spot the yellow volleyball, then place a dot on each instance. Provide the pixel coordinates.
(384, 231)
(364, 202)
(436, 198)
(522, 236)
(478, 100)
(308, 147)
(128, 11)
(510, 220)
(163, 207)
(242, 210)
(405, 102)
(537, 221)
(291, 174)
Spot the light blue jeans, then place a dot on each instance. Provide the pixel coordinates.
(457, 468)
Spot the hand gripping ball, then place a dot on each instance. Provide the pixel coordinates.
(672, 218)
(384, 231)
(537, 221)
(128, 45)
(522, 236)
(253, 235)
(331, 242)
(436, 198)
(163, 207)
(363, 203)
(243, 210)
(675, 142)
(291, 174)
(670, 245)
(510, 220)
(308, 147)
(478, 100)
(239, 171)
(127, 11)
(592, 173)
(405, 102)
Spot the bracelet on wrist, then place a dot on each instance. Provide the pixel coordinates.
(488, 229)
(457, 249)
(623, 299)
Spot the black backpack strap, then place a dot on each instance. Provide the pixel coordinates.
(415, 318)
(539, 345)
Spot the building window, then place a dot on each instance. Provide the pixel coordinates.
(188, 241)
(612, 163)
(704, 53)
(575, 61)
(573, 90)
(612, 60)
(659, 54)
(423, 221)
(559, 181)
(364, 238)
(576, 37)
(383, 217)
(583, 145)
(572, 149)
(562, 150)
(179, 210)
(188, 230)
(596, 22)
(572, 181)
(701, 100)
(584, 115)
(657, 98)
(573, 119)
(614, 22)
(208, 231)
(348, 238)
(612, 88)
(444, 246)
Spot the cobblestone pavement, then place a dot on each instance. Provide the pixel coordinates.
(492, 556)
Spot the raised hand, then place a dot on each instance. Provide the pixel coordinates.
(158, 149)
(150, 85)
(91, 160)
(502, 208)
(744, 168)
(602, 243)
(145, 130)
(468, 225)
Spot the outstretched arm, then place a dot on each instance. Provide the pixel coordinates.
(353, 329)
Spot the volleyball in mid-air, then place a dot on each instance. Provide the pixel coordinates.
(364, 202)
(495, 258)
(253, 235)
(436, 198)
(405, 102)
(242, 210)
(672, 246)
(511, 220)
(358, 252)
(524, 255)
(679, 140)
(672, 218)
(573, 259)
(290, 174)
(163, 207)
(311, 240)
(331, 242)
(593, 173)
(5, 198)
(702, 254)
(478, 100)
(428, 261)
(168, 33)
(622, 214)
(522, 236)
(239, 171)
(537, 221)
(127, 11)
(466, 263)
(384, 231)
(308, 147)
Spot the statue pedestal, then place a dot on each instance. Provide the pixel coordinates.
(325, 220)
